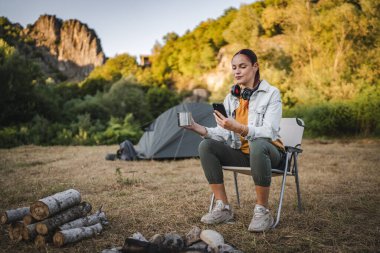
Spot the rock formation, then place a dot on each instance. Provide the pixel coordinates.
(218, 77)
(68, 46)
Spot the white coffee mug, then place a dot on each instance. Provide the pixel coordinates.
(184, 119)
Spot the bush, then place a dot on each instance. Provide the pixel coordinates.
(161, 99)
(367, 107)
(336, 119)
(125, 97)
(119, 130)
(92, 105)
(11, 137)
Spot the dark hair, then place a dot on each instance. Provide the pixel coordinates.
(253, 58)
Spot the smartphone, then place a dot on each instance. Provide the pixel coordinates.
(220, 108)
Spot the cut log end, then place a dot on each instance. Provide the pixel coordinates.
(54, 204)
(4, 218)
(42, 229)
(40, 242)
(28, 219)
(58, 239)
(15, 231)
(39, 210)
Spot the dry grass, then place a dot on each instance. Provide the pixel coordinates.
(339, 185)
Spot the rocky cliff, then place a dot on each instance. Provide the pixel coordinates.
(68, 46)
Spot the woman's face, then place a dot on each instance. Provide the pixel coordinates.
(244, 71)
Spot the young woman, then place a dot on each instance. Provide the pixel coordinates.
(247, 137)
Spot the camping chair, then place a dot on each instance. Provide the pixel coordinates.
(291, 131)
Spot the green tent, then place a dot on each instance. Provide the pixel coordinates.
(163, 139)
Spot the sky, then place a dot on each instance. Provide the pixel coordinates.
(123, 26)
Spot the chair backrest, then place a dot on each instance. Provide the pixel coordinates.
(291, 131)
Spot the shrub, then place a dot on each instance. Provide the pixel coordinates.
(161, 99)
(10, 137)
(119, 130)
(125, 97)
(336, 119)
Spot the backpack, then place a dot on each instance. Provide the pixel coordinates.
(126, 151)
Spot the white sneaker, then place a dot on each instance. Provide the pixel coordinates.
(219, 214)
(262, 219)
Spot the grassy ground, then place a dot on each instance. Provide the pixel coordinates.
(340, 186)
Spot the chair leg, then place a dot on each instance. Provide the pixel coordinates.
(237, 189)
(212, 203)
(297, 184)
(281, 193)
(280, 203)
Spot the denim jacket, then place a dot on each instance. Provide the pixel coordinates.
(264, 116)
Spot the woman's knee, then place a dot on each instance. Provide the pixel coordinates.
(205, 146)
(258, 147)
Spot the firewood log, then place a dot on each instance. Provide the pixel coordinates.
(29, 232)
(13, 215)
(45, 226)
(28, 219)
(54, 204)
(98, 217)
(64, 237)
(41, 240)
(15, 231)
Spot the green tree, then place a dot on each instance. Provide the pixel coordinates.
(245, 29)
(125, 97)
(101, 78)
(161, 99)
(17, 75)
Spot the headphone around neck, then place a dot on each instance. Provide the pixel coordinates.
(245, 94)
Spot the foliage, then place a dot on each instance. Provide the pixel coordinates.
(105, 118)
(360, 116)
(246, 27)
(122, 65)
(9, 32)
(17, 76)
(119, 130)
(126, 97)
(191, 55)
(161, 99)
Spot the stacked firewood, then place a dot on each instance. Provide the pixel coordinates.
(60, 218)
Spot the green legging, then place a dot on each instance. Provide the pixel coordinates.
(262, 157)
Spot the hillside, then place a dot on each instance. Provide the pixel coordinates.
(63, 49)
(312, 50)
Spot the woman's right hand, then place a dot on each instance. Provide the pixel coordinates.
(199, 129)
(190, 127)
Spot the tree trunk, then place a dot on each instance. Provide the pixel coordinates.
(15, 231)
(29, 232)
(13, 215)
(73, 235)
(99, 217)
(54, 222)
(28, 219)
(51, 205)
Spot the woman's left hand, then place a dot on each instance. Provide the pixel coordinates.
(227, 123)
